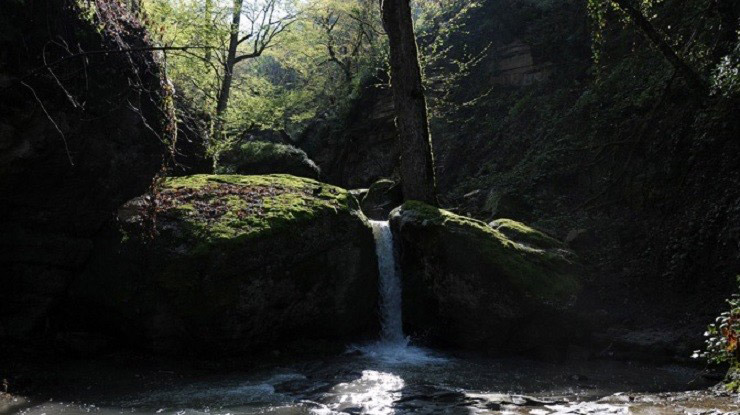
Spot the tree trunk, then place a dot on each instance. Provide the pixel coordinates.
(694, 80)
(417, 160)
(207, 16)
(223, 96)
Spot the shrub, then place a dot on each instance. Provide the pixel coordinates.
(723, 341)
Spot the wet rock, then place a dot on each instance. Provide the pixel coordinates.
(472, 286)
(382, 197)
(237, 263)
(650, 344)
(10, 403)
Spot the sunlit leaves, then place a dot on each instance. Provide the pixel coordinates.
(723, 336)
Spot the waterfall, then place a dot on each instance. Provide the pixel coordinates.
(393, 346)
(389, 284)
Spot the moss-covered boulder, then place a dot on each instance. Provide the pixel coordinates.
(470, 285)
(381, 198)
(240, 263)
(261, 157)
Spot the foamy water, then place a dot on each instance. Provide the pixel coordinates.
(393, 347)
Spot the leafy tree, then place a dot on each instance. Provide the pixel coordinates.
(634, 11)
(265, 21)
(268, 64)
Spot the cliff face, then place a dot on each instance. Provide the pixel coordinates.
(81, 132)
(362, 148)
(639, 176)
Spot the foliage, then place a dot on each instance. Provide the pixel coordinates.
(726, 76)
(309, 69)
(314, 68)
(440, 25)
(723, 336)
(677, 22)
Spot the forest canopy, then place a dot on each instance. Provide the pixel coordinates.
(255, 65)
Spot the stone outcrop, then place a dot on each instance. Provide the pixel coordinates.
(507, 288)
(361, 150)
(223, 264)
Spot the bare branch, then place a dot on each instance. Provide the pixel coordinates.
(56, 126)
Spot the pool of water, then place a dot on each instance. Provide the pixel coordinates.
(365, 380)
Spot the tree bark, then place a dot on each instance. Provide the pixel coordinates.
(207, 16)
(694, 80)
(417, 159)
(230, 63)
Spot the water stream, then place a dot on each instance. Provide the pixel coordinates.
(393, 346)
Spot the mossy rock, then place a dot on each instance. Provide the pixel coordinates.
(467, 284)
(260, 157)
(382, 197)
(244, 263)
(523, 234)
(732, 380)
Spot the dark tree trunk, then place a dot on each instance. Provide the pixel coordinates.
(417, 160)
(693, 79)
(230, 63)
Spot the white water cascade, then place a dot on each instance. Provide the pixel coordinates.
(393, 346)
(390, 285)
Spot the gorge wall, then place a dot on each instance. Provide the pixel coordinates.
(81, 132)
(623, 163)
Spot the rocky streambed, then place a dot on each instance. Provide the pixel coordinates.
(352, 383)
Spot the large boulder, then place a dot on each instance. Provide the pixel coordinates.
(229, 264)
(472, 286)
(261, 157)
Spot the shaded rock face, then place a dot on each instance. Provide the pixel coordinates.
(259, 157)
(193, 135)
(77, 139)
(361, 150)
(513, 65)
(237, 263)
(381, 198)
(468, 285)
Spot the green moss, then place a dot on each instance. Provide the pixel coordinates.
(438, 216)
(543, 273)
(228, 208)
(732, 380)
(520, 232)
(381, 184)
